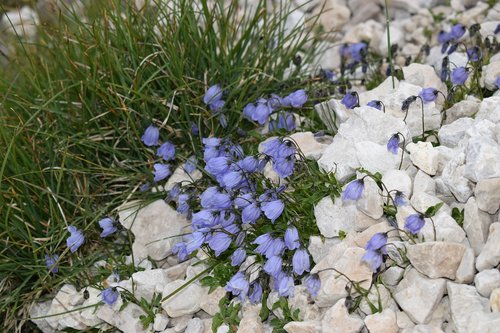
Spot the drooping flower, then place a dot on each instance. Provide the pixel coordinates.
(407, 102)
(399, 199)
(255, 295)
(474, 54)
(166, 151)
(218, 165)
(459, 75)
(284, 120)
(313, 284)
(213, 95)
(353, 190)
(284, 166)
(373, 258)
(350, 100)
(183, 203)
(250, 213)
(292, 238)
(108, 226)
(261, 113)
(151, 136)
(298, 98)
(161, 172)
(273, 209)
(76, 239)
(285, 285)
(428, 94)
(190, 164)
(180, 250)
(110, 295)
(51, 263)
(377, 242)
(301, 262)
(457, 31)
(238, 286)
(263, 241)
(414, 223)
(195, 241)
(273, 265)
(219, 242)
(238, 257)
(276, 248)
(393, 144)
(375, 104)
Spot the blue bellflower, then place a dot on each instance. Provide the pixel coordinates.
(459, 75)
(285, 285)
(166, 151)
(219, 242)
(350, 100)
(276, 248)
(75, 240)
(313, 284)
(428, 94)
(353, 190)
(110, 295)
(255, 294)
(151, 136)
(373, 258)
(375, 104)
(377, 242)
(301, 262)
(161, 172)
(263, 241)
(298, 98)
(393, 144)
(196, 240)
(179, 249)
(213, 95)
(108, 226)
(273, 265)
(250, 213)
(497, 82)
(238, 257)
(291, 238)
(474, 54)
(273, 209)
(238, 286)
(190, 164)
(414, 223)
(399, 199)
(284, 120)
(51, 263)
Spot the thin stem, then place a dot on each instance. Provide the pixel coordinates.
(402, 151)
(389, 44)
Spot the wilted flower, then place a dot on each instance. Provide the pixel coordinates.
(350, 100)
(414, 223)
(76, 239)
(407, 102)
(459, 75)
(151, 136)
(50, 262)
(166, 151)
(161, 172)
(108, 226)
(353, 190)
(110, 295)
(428, 94)
(313, 284)
(393, 144)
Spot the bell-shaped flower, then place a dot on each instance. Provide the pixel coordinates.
(291, 238)
(161, 171)
(353, 190)
(350, 100)
(377, 242)
(250, 213)
(255, 295)
(393, 144)
(196, 241)
(108, 226)
(238, 285)
(219, 242)
(298, 98)
(263, 241)
(273, 265)
(285, 286)
(273, 209)
(276, 248)
(373, 258)
(399, 199)
(166, 151)
(301, 262)
(238, 257)
(151, 136)
(414, 223)
(313, 284)
(428, 94)
(76, 239)
(51, 263)
(375, 104)
(110, 295)
(459, 75)
(213, 94)
(284, 166)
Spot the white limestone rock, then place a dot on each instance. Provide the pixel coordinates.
(382, 322)
(424, 156)
(126, 320)
(154, 227)
(398, 180)
(160, 323)
(371, 202)
(332, 113)
(332, 217)
(195, 325)
(424, 76)
(147, 283)
(311, 146)
(421, 201)
(464, 301)
(453, 177)
(22, 22)
(311, 326)
(338, 320)
(424, 183)
(41, 309)
(490, 73)
(495, 300)
(436, 259)
(180, 176)
(185, 302)
(451, 134)
(489, 109)
(487, 193)
(418, 295)
(67, 299)
(466, 269)
(487, 280)
(465, 108)
(250, 321)
(482, 322)
(393, 275)
(476, 224)
(319, 247)
(490, 254)
(340, 157)
(482, 160)
(301, 301)
(375, 157)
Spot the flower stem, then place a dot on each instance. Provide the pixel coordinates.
(389, 49)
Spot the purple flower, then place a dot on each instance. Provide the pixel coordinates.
(292, 238)
(219, 242)
(217, 106)
(250, 213)
(238, 257)
(358, 51)
(497, 82)
(443, 37)
(255, 295)
(373, 259)
(243, 200)
(284, 120)
(261, 113)
(110, 295)
(151, 136)
(377, 242)
(393, 144)
(249, 110)
(232, 179)
(264, 241)
(414, 223)
(196, 241)
(474, 54)
(270, 147)
(459, 75)
(497, 29)
(273, 265)
(284, 166)
(190, 164)
(273, 209)
(51, 263)
(249, 164)
(195, 130)
(203, 219)
(428, 94)
(399, 199)
(108, 226)
(350, 100)
(180, 250)
(161, 172)
(218, 165)
(213, 95)
(298, 98)
(285, 285)
(238, 286)
(313, 284)
(375, 104)
(457, 31)
(76, 239)
(166, 151)
(275, 248)
(353, 190)
(301, 262)
(183, 203)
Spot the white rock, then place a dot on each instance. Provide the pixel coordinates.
(301, 300)
(481, 322)
(451, 134)
(309, 144)
(465, 108)
(210, 303)
(338, 320)
(339, 157)
(453, 178)
(482, 160)
(371, 202)
(424, 183)
(487, 280)
(421, 201)
(490, 254)
(67, 299)
(195, 325)
(160, 322)
(334, 15)
(424, 76)
(332, 113)
(319, 247)
(447, 229)
(147, 283)
(381, 297)
(393, 275)
(490, 73)
(476, 224)
(40, 309)
(464, 300)
(311, 326)
(383, 322)
(362, 238)
(22, 22)
(154, 227)
(418, 296)
(370, 30)
(375, 157)
(436, 259)
(424, 156)
(403, 321)
(332, 217)
(185, 302)
(181, 177)
(250, 321)
(180, 323)
(397, 37)
(398, 180)
(126, 320)
(495, 300)
(487, 193)
(489, 109)
(466, 270)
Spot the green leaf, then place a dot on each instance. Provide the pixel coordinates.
(431, 211)
(458, 215)
(264, 311)
(342, 234)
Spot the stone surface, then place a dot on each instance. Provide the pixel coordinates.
(333, 217)
(310, 146)
(483, 322)
(154, 227)
(339, 157)
(338, 320)
(398, 180)
(182, 177)
(465, 108)
(447, 229)
(495, 300)
(424, 157)
(310, 326)
(210, 303)
(160, 322)
(424, 183)
(436, 259)
(466, 269)
(418, 295)
(482, 159)
(490, 254)
(383, 322)
(375, 157)
(185, 302)
(22, 22)
(424, 76)
(371, 203)
(147, 283)
(126, 320)
(487, 280)
(250, 320)
(476, 224)
(67, 299)
(40, 309)
(487, 193)
(453, 177)
(451, 134)
(464, 301)
(301, 301)
(489, 110)
(195, 325)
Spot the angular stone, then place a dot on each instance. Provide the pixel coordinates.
(465, 108)
(487, 193)
(489, 110)
(418, 295)
(487, 280)
(66, 299)
(495, 300)
(490, 254)
(309, 145)
(380, 296)
(424, 76)
(482, 160)
(126, 320)
(393, 275)
(371, 202)
(436, 259)
(424, 156)
(451, 134)
(383, 322)
(160, 322)
(447, 229)
(332, 113)
(210, 303)
(421, 201)
(180, 177)
(332, 217)
(40, 309)
(250, 321)
(22, 22)
(453, 178)
(338, 320)
(466, 269)
(483, 322)
(398, 180)
(195, 325)
(464, 301)
(476, 224)
(319, 247)
(375, 157)
(311, 326)
(154, 226)
(362, 238)
(301, 301)
(424, 183)
(147, 283)
(404, 322)
(185, 302)
(339, 157)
